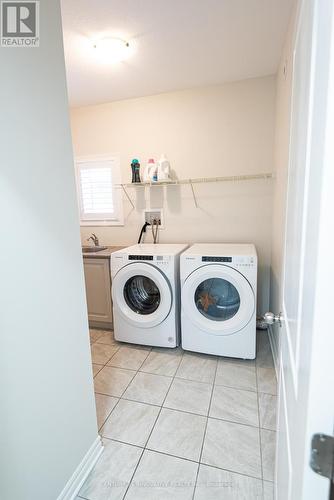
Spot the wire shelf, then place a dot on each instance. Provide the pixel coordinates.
(198, 180)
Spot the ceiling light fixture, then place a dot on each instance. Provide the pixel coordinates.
(112, 50)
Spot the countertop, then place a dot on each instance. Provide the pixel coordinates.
(103, 254)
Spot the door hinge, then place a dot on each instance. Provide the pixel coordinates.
(322, 455)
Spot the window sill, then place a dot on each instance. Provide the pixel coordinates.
(107, 223)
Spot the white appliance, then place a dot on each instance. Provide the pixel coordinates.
(146, 295)
(218, 297)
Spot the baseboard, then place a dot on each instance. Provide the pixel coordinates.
(80, 474)
(102, 325)
(274, 348)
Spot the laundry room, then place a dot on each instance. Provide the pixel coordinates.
(169, 204)
(218, 131)
(189, 142)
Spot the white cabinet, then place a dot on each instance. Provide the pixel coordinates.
(98, 291)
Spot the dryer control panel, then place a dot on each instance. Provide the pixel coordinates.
(209, 258)
(246, 264)
(244, 261)
(235, 260)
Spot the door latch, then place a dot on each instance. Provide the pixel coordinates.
(322, 455)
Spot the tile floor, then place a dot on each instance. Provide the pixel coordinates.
(179, 425)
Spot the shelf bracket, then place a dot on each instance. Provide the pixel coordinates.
(127, 195)
(193, 193)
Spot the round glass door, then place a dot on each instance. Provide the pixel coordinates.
(217, 299)
(141, 294)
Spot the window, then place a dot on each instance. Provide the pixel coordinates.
(100, 200)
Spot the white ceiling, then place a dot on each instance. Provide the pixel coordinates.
(179, 44)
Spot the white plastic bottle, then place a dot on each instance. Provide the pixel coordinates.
(149, 170)
(163, 169)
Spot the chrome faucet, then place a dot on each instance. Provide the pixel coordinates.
(94, 239)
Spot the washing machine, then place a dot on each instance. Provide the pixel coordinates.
(218, 297)
(146, 294)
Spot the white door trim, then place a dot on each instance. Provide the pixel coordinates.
(80, 474)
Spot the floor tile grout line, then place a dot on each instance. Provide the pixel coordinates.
(260, 440)
(233, 471)
(188, 460)
(121, 367)
(186, 411)
(100, 429)
(205, 431)
(179, 409)
(139, 371)
(98, 371)
(123, 442)
(159, 412)
(117, 344)
(243, 389)
(212, 389)
(207, 415)
(171, 455)
(162, 404)
(119, 398)
(238, 388)
(175, 409)
(234, 422)
(132, 476)
(106, 363)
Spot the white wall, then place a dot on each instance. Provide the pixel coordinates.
(213, 131)
(281, 156)
(47, 418)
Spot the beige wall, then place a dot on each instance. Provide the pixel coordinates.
(214, 131)
(47, 417)
(281, 155)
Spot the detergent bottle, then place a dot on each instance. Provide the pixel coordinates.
(135, 167)
(163, 169)
(150, 170)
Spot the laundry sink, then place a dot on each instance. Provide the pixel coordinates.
(93, 249)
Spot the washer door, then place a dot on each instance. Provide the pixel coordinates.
(218, 299)
(142, 294)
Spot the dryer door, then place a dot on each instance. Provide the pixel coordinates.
(142, 294)
(218, 299)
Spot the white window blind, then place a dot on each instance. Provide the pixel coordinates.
(99, 199)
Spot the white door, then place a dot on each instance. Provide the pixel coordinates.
(306, 393)
(142, 295)
(218, 299)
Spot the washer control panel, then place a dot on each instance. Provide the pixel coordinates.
(140, 257)
(157, 259)
(120, 260)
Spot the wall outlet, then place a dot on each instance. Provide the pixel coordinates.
(154, 213)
